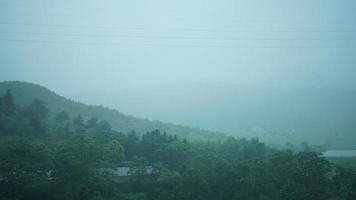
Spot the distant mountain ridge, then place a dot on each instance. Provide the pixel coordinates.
(276, 115)
(25, 92)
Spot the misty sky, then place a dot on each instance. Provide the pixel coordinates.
(83, 45)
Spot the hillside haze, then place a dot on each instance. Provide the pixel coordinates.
(178, 100)
(24, 93)
(318, 115)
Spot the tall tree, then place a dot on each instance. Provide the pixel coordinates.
(131, 144)
(37, 113)
(8, 99)
(78, 123)
(92, 122)
(7, 104)
(104, 125)
(62, 116)
(24, 169)
(76, 168)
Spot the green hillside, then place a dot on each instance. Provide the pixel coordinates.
(48, 159)
(274, 115)
(25, 92)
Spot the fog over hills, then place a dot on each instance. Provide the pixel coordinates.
(317, 115)
(24, 93)
(282, 70)
(178, 100)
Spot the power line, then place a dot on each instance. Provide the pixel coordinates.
(171, 37)
(173, 45)
(170, 29)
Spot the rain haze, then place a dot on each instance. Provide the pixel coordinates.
(232, 66)
(178, 99)
(111, 45)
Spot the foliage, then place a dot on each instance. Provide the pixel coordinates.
(24, 93)
(37, 113)
(62, 117)
(45, 157)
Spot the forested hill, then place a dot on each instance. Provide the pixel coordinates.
(24, 93)
(274, 115)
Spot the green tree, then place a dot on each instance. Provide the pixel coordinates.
(312, 173)
(104, 125)
(344, 184)
(7, 104)
(8, 99)
(131, 144)
(37, 113)
(24, 169)
(174, 153)
(62, 117)
(78, 123)
(92, 122)
(116, 152)
(77, 168)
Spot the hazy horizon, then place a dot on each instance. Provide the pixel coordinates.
(134, 44)
(233, 66)
(180, 99)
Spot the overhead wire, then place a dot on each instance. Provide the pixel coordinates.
(168, 29)
(171, 45)
(136, 36)
(163, 37)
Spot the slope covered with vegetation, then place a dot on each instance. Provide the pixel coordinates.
(318, 115)
(25, 93)
(62, 157)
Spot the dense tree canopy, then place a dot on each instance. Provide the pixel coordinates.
(53, 157)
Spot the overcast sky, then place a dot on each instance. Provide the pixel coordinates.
(83, 45)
